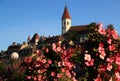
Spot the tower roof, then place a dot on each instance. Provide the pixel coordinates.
(35, 37)
(66, 13)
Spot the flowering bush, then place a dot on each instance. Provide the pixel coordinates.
(51, 63)
(12, 71)
(99, 60)
(102, 58)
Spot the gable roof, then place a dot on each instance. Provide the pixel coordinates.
(66, 13)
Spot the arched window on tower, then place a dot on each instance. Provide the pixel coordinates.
(67, 23)
(64, 23)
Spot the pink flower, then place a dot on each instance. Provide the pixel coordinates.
(37, 65)
(47, 50)
(109, 41)
(59, 64)
(43, 70)
(98, 79)
(101, 50)
(111, 59)
(54, 46)
(38, 59)
(117, 60)
(49, 61)
(111, 79)
(102, 55)
(114, 34)
(73, 73)
(87, 57)
(74, 79)
(28, 59)
(46, 65)
(68, 73)
(43, 60)
(59, 75)
(102, 68)
(117, 75)
(101, 44)
(59, 48)
(69, 65)
(38, 51)
(39, 77)
(111, 47)
(90, 63)
(109, 67)
(29, 77)
(102, 31)
(38, 71)
(35, 78)
(100, 25)
(52, 73)
(63, 70)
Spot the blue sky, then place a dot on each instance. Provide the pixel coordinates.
(20, 18)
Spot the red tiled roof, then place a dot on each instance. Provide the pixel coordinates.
(78, 28)
(66, 13)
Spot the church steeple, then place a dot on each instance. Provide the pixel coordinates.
(66, 13)
(66, 20)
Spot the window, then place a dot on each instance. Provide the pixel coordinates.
(67, 23)
(64, 23)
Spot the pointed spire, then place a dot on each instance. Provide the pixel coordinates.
(66, 13)
(28, 40)
(36, 36)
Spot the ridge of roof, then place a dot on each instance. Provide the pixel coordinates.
(78, 28)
